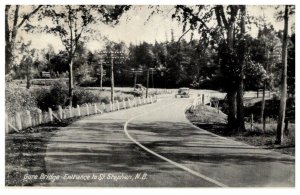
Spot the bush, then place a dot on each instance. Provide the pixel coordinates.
(57, 95)
(17, 100)
(81, 97)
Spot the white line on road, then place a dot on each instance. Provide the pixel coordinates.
(164, 158)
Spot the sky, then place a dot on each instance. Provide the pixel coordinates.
(134, 28)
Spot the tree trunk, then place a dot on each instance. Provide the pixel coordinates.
(147, 83)
(280, 122)
(231, 95)
(240, 106)
(112, 80)
(8, 52)
(231, 98)
(135, 79)
(240, 84)
(10, 37)
(101, 75)
(263, 102)
(152, 78)
(71, 82)
(28, 71)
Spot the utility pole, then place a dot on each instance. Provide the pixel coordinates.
(135, 78)
(112, 55)
(112, 79)
(71, 81)
(101, 74)
(147, 83)
(152, 78)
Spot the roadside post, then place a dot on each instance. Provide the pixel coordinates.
(78, 110)
(18, 121)
(39, 116)
(50, 114)
(29, 121)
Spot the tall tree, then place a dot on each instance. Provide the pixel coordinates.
(198, 17)
(14, 20)
(72, 24)
(240, 79)
(280, 123)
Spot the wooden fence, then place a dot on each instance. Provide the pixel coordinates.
(201, 99)
(26, 119)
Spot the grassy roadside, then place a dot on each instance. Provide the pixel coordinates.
(209, 119)
(26, 150)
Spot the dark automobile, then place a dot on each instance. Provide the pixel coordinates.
(183, 93)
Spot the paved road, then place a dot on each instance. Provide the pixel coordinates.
(171, 153)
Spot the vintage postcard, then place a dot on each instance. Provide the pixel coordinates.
(149, 95)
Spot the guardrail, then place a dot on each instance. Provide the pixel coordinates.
(26, 119)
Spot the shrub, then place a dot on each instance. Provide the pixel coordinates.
(81, 96)
(57, 95)
(17, 100)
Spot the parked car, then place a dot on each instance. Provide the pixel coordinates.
(183, 93)
(139, 89)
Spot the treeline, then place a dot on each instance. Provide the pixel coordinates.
(172, 64)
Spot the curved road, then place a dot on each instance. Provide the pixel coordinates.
(156, 146)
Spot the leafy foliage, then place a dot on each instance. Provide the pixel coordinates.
(17, 100)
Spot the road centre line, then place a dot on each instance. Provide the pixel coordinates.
(164, 158)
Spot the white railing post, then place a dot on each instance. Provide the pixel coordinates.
(78, 110)
(87, 109)
(95, 108)
(134, 102)
(50, 114)
(140, 101)
(118, 105)
(70, 111)
(129, 103)
(39, 116)
(124, 104)
(60, 112)
(103, 106)
(18, 121)
(29, 121)
(111, 106)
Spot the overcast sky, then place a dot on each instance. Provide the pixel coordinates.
(134, 28)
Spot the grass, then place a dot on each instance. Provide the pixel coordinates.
(209, 119)
(26, 150)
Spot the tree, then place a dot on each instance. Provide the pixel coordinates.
(240, 79)
(198, 18)
(281, 116)
(291, 67)
(14, 20)
(71, 24)
(266, 50)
